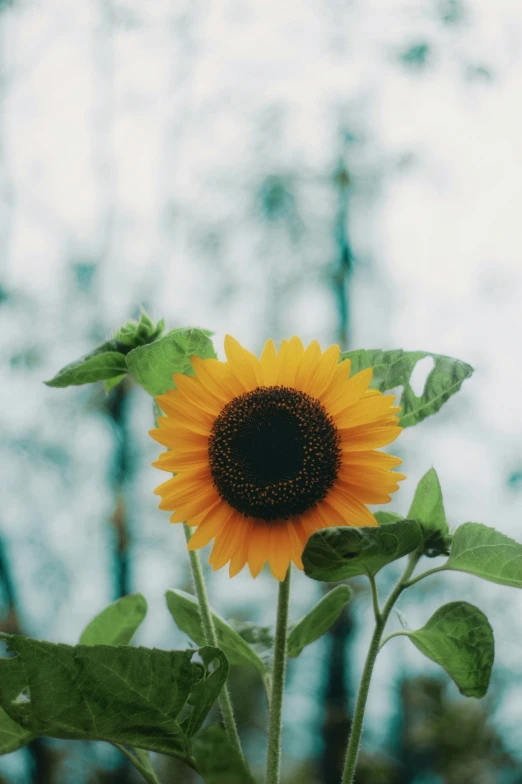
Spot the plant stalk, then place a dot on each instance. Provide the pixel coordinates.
(141, 762)
(209, 631)
(360, 706)
(273, 763)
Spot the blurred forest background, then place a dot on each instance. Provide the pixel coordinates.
(338, 169)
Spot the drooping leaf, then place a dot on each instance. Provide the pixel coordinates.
(117, 623)
(152, 366)
(118, 694)
(184, 609)
(394, 368)
(12, 736)
(217, 761)
(335, 554)
(481, 550)
(458, 636)
(105, 362)
(316, 622)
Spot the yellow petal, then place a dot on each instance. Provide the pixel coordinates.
(348, 393)
(269, 363)
(322, 375)
(307, 366)
(290, 356)
(279, 552)
(243, 364)
(213, 524)
(258, 547)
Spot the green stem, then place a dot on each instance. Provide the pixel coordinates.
(375, 598)
(392, 635)
(141, 762)
(425, 574)
(273, 762)
(209, 631)
(355, 734)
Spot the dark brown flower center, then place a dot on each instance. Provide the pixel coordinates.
(273, 453)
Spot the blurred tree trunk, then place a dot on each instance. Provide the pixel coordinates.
(337, 720)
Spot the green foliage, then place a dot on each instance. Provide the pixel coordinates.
(335, 554)
(259, 638)
(481, 550)
(387, 517)
(217, 760)
(152, 366)
(184, 609)
(108, 361)
(132, 696)
(110, 383)
(117, 623)
(394, 368)
(317, 622)
(428, 509)
(12, 736)
(458, 636)
(105, 362)
(139, 333)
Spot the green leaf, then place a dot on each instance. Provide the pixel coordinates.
(427, 506)
(316, 622)
(119, 694)
(116, 624)
(207, 690)
(259, 638)
(481, 550)
(110, 383)
(386, 517)
(458, 636)
(12, 736)
(152, 366)
(184, 609)
(217, 761)
(105, 362)
(394, 368)
(335, 554)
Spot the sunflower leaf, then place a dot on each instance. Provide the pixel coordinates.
(487, 553)
(119, 694)
(428, 509)
(394, 368)
(458, 636)
(152, 366)
(387, 517)
(12, 736)
(117, 623)
(217, 761)
(317, 622)
(105, 362)
(184, 609)
(335, 554)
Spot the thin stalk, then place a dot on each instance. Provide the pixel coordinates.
(375, 597)
(391, 636)
(209, 631)
(356, 731)
(273, 762)
(143, 764)
(425, 574)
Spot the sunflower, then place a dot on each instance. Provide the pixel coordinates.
(267, 451)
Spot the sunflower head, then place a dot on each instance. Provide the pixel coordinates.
(267, 451)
